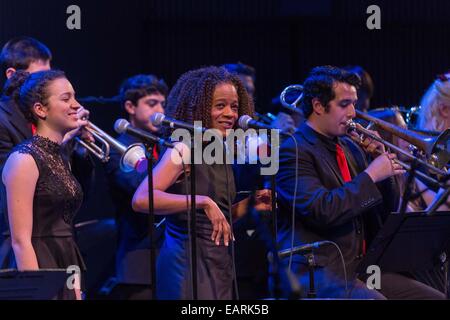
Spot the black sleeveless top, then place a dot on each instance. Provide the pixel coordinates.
(57, 198)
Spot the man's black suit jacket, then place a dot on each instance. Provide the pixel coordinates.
(14, 129)
(326, 208)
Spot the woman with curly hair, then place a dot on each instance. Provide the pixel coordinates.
(217, 98)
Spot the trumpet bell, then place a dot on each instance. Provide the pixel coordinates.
(440, 150)
(134, 159)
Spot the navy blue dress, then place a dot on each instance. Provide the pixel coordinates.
(214, 263)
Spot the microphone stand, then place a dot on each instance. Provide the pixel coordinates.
(193, 225)
(443, 198)
(408, 187)
(274, 247)
(149, 147)
(275, 262)
(311, 265)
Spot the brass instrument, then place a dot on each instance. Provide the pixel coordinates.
(101, 152)
(293, 107)
(434, 149)
(133, 157)
(411, 117)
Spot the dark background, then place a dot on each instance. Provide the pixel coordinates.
(282, 39)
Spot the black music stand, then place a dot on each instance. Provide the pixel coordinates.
(43, 284)
(410, 242)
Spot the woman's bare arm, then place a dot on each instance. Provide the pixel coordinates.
(20, 175)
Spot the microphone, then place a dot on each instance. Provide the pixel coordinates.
(301, 249)
(246, 122)
(158, 119)
(122, 126)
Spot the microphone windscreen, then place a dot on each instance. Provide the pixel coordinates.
(157, 119)
(120, 126)
(243, 121)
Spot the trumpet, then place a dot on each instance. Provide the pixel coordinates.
(101, 152)
(133, 157)
(434, 149)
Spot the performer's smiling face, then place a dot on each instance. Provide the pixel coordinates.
(225, 107)
(60, 109)
(341, 109)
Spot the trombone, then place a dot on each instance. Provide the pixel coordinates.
(294, 105)
(435, 149)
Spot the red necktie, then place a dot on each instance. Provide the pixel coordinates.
(342, 163)
(343, 166)
(155, 154)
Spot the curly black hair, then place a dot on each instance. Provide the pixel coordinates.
(192, 96)
(26, 89)
(319, 84)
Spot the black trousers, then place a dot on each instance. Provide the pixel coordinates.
(329, 285)
(131, 292)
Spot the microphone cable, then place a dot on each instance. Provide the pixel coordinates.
(293, 201)
(293, 222)
(344, 268)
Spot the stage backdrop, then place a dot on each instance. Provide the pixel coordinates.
(282, 39)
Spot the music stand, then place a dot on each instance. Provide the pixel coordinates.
(409, 242)
(43, 284)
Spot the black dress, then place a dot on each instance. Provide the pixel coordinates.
(57, 198)
(214, 263)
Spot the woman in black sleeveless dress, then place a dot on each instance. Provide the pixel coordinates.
(218, 99)
(42, 194)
